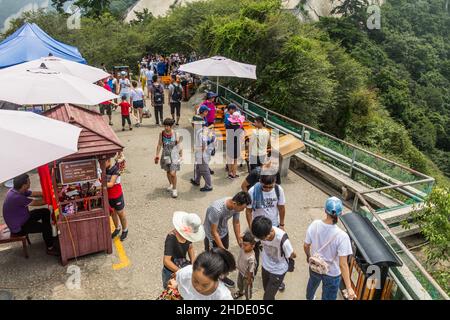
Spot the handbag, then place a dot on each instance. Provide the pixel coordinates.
(316, 262)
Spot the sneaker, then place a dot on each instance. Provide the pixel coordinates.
(211, 172)
(123, 129)
(206, 189)
(194, 183)
(131, 128)
(124, 235)
(110, 123)
(282, 287)
(228, 282)
(174, 193)
(115, 233)
(169, 188)
(237, 295)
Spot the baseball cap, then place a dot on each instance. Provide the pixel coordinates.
(333, 206)
(210, 95)
(203, 109)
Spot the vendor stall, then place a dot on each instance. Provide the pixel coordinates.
(79, 183)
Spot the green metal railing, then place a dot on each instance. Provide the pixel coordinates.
(380, 175)
(363, 166)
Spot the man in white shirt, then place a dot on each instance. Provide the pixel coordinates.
(277, 250)
(259, 142)
(326, 239)
(268, 200)
(124, 85)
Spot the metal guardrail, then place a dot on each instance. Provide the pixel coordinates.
(407, 257)
(372, 169)
(350, 160)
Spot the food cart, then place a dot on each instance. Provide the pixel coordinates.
(79, 184)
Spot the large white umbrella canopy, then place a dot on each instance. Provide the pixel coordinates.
(29, 140)
(220, 67)
(43, 86)
(82, 71)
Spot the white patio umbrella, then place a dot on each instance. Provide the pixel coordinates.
(220, 67)
(29, 140)
(82, 71)
(43, 86)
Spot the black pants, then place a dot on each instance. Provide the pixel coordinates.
(158, 113)
(127, 119)
(34, 226)
(225, 242)
(271, 284)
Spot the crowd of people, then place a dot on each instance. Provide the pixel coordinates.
(264, 246)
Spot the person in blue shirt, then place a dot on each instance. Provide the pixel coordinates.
(161, 67)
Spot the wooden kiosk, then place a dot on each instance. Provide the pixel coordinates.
(288, 146)
(83, 221)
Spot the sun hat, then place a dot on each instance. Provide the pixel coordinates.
(189, 226)
(210, 95)
(333, 206)
(236, 117)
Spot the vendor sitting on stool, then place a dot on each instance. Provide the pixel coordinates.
(20, 220)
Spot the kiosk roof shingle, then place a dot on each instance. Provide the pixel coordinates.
(96, 138)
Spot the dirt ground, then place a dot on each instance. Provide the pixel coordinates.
(149, 208)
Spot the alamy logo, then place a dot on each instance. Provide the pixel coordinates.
(374, 20)
(74, 19)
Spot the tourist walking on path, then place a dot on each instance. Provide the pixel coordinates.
(259, 142)
(268, 200)
(216, 222)
(188, 228)
(204, 145)
(138, 103)
(116, 199)
(22, 221)
(124, 85)
(158, 100)
(106, 105)
(201, 281)
(169, 153)
(125, 110)
(175, 96)
(246, 266)
(268, 168)
(327, 248)
(149, 76)
(277, 255)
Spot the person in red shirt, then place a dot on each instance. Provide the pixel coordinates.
(116, 200)
(106, 105)
(125, 112)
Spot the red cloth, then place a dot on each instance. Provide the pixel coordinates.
(124, 108)
(106, 87)
(115, 191)
(48, 193)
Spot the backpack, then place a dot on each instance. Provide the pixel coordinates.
(158, 96)
(290, 261)
(316, 262)
(177, 93)
(258, 195)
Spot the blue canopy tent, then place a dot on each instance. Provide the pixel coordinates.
(30, 42)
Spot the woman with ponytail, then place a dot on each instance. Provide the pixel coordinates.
(202, 280)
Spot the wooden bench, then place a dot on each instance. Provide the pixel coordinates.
(6, 237)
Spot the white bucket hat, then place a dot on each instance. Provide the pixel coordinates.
(189, 225)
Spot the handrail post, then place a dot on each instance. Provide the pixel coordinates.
(351, 173)
(267, 116)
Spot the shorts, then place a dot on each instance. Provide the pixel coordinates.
(118, 203)
(107, 108)
(138, 104)
(175, 106)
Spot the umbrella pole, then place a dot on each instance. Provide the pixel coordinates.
(217, 86)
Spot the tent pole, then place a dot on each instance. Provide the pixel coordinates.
(217, 86)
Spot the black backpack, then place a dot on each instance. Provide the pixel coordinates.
(290, 261)
(158, 95)
(177, 93)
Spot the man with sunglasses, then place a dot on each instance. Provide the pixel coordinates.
(268, 200)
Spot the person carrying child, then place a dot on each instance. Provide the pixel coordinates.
(246, 266)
